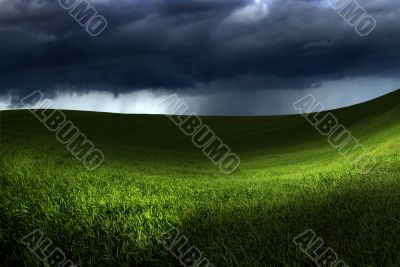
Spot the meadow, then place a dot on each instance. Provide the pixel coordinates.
(153, 178)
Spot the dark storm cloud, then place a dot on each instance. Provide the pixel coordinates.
(203, 44)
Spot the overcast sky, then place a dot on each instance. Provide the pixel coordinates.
(233, 57)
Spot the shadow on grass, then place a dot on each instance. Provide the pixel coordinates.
(360, 223)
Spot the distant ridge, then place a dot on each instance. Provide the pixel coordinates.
(394, 93)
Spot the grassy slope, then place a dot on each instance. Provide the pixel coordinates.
(153, 178)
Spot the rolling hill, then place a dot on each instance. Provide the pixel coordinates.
(153, 178)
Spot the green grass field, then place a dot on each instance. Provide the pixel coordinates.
(153, 178)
